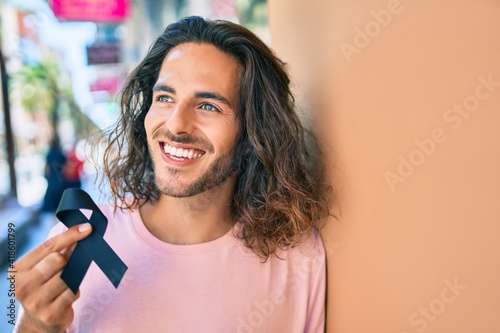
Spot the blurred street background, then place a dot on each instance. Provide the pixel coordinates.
(63, 63)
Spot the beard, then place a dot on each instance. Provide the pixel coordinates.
(218, 171)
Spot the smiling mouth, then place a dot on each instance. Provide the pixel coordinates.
(183, 153)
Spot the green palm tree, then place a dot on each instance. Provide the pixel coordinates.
(38, 88)
(43, 86)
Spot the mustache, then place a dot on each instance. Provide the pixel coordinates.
(185, 139)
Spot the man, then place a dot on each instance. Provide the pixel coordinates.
(216, 201)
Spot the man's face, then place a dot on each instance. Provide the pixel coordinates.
(192, 125)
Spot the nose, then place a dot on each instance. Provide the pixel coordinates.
(181, 120)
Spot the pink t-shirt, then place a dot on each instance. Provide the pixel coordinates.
(219, 286)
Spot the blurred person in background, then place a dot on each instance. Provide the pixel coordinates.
(55, 162)
(217, 201)
(72, 169)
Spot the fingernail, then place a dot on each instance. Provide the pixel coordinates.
(84, 227)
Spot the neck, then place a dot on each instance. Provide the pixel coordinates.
(192, 220)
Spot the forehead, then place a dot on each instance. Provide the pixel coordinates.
(200, 66)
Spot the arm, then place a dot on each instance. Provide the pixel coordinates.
(45, 298)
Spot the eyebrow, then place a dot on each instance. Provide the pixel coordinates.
(163, 87)
(199, 94)
(212, 95)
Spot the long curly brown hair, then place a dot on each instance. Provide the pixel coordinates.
(280, 195)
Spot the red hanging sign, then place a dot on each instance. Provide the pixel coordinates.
(90, 10)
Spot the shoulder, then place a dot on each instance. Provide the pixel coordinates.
(306, 260)
(311, 247)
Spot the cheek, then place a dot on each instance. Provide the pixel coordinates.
(226, 137)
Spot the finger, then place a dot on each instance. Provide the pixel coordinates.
(63, 304)
(48, 267)
(68, 251)
(65, 299)
(41, 295)
(58, 314)
(53, 288)
(54, 244)
(30, 281)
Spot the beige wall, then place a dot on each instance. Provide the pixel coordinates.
(412, 128)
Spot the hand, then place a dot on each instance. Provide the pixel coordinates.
(46, 299)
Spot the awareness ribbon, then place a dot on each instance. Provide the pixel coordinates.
(94, 247)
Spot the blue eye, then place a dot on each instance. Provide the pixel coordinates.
(163, 98)
(209, 107)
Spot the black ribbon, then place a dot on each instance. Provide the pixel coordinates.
(94, 247)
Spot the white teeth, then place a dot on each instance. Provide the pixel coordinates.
(180, 152)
